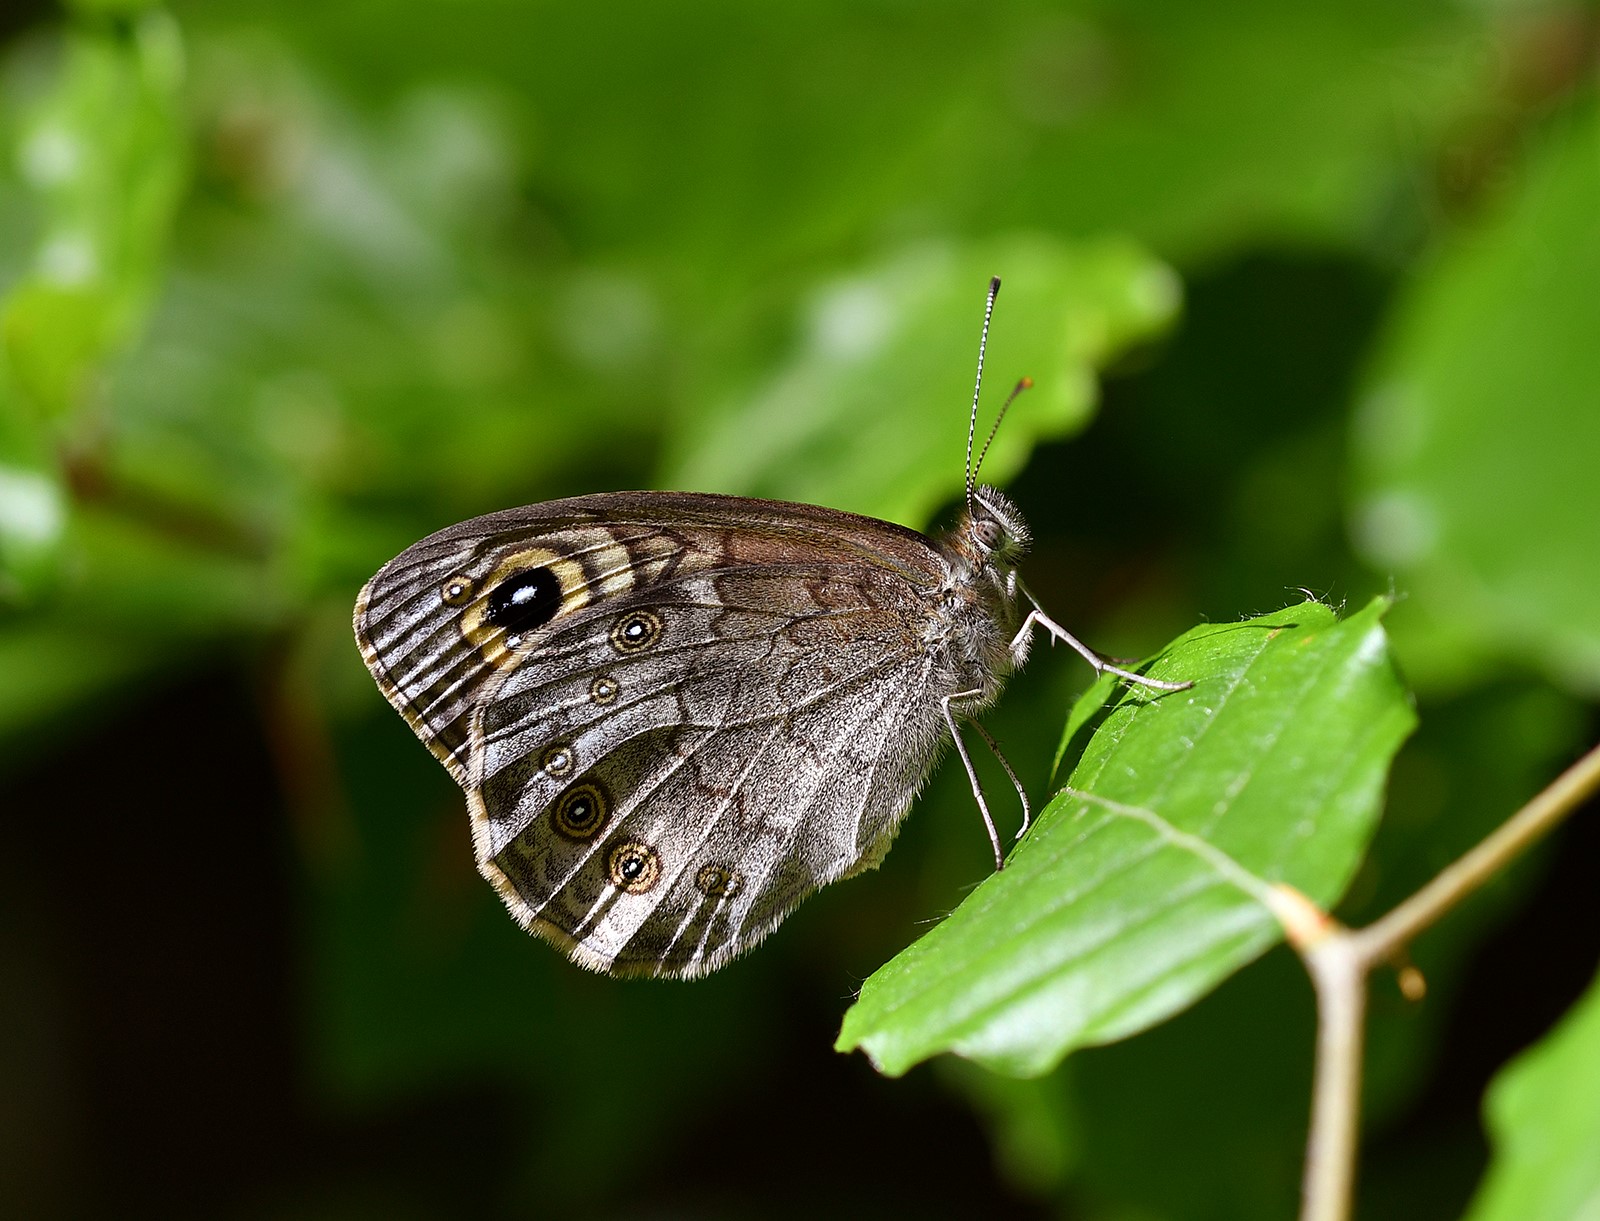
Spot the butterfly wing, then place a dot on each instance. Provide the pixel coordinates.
(656, 811)
(675, 715)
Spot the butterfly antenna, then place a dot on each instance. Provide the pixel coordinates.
(977, 389)
(1025, 384)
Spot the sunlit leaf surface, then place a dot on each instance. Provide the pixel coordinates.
(1142, 884)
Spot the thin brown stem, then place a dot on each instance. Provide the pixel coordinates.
(1339, 976)
(1382, 939)
(1339, 959)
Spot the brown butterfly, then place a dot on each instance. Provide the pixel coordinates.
(675, 715)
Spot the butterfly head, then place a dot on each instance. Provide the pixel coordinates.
(992, 530)
(974, 617)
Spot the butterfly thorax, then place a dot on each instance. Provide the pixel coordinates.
(976, 614)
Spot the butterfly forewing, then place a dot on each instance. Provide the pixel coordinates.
(434, 623)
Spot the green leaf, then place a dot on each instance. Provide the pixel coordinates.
(105, 153)
(871, 412)
(1476, 451)
(1147, 880)
(1544, 1115)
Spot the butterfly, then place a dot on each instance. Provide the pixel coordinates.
(675, 715)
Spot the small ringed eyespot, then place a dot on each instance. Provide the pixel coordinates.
(718, 881)
(581, 812)
(604, 689)
(456, 591)
(558, 760)
(634, 631)
(633, 867)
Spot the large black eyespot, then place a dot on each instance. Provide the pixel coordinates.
(581, 812)
(634, 867)
(524, 601)
(634, 631)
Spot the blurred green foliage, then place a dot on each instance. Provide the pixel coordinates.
(1547, 1123)
(286, 286)
(1489, 383)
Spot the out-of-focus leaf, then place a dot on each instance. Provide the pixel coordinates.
(358, 314)
(105, 152)
(1544, 1116)
(1033, 1123)
(1477, 451)
(135, 595)
(871, 412)
(33, 516)
(1217, 1097)
(33, 509)
(1142, 884)
(1189, 126)
(112, 8)
(168, 580)
(48, 670)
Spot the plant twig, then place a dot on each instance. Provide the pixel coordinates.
(1340, 979)
(1382, 939)
(1339, 959)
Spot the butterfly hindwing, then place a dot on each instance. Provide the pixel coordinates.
(655, 805)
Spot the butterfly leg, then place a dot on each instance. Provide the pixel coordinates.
(1022, 793)
(1101, 665)
(972, 776)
